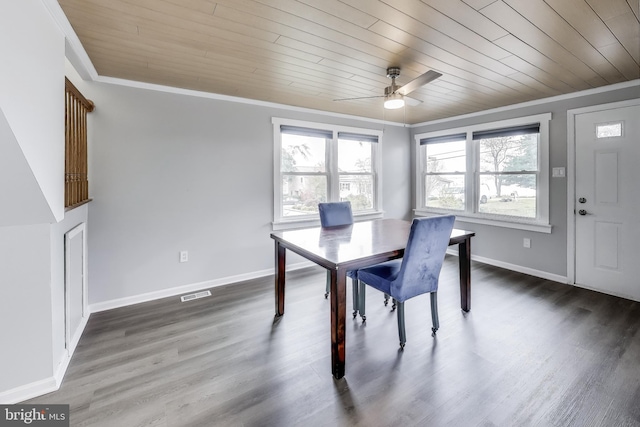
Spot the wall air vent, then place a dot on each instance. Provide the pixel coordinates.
(197, 295)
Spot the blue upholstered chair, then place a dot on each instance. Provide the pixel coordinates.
(338, 214)
(416, 273)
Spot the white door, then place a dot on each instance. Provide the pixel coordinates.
(76, 312)
(607, 201)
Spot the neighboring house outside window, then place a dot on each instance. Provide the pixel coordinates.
(316, 163)
(494, 173)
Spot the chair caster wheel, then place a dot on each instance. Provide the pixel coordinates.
(402, 346)
(355, 313)
(386, 303)
(364, 318)
(433, 332)
(326, 295)
(393, 307)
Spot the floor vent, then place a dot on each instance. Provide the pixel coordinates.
(197, 295)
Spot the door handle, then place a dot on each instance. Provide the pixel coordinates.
(582, 212)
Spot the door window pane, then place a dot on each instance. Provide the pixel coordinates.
(608, 130)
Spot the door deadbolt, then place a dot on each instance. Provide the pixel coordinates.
(582, 200)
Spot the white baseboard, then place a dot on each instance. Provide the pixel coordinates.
(47, 385)
(179, 290)
(28, 391)
(514, 267)
(66, 356)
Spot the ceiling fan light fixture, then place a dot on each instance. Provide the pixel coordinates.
(394, 101)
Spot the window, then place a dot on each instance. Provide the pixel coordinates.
(608, 130)
(318, 163)
(495, 173)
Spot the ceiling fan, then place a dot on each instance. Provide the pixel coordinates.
(395, 96)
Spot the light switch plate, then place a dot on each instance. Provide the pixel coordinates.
(558, 172)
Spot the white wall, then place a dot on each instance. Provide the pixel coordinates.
(31, 88)
(31, 200)
(548, 252)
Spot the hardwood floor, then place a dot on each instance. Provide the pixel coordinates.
(530, 352)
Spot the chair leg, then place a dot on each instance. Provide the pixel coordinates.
(326, 292)
(361, 302)
(386, 299)
(434, 313)
(356, 303)
(401, 330)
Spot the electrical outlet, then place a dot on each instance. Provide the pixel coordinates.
(184, 256)
(526, 242)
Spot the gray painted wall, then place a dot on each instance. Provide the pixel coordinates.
(548, 252)
(172, 172)
(25, 305)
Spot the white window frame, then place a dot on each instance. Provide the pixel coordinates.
(470, 212)
(333, 175)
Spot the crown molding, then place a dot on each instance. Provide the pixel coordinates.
(564, 97)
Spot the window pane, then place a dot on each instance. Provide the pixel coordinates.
(301, 194)
(513, 195)
(446, 157)
(609, 130)
(509, 153)
(445, 191)
(354, 156)
(357, 189)
(302, 153)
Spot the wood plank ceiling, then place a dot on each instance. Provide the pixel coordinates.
(307, 53)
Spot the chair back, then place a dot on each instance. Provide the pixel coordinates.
(335, 214)
(423, 257)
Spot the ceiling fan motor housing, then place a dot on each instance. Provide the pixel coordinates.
(393, 72)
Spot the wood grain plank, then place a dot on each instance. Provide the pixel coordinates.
(467, 16)
(582, 17)
(554, 26)
(626, 28)
(533, 56)
(531, 352)
(522, 29)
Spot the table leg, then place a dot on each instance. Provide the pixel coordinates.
(279, 280)
(464, 258)
(338, 297)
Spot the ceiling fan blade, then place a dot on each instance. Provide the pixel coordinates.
(361, 97)
(418, 82)
(412, 102)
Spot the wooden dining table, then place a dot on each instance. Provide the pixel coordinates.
(340, 249)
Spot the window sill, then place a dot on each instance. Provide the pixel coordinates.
(538, 227)
(315, 222)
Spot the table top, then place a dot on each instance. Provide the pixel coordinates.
(348, 246)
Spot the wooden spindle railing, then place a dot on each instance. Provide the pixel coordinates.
(76, 190)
